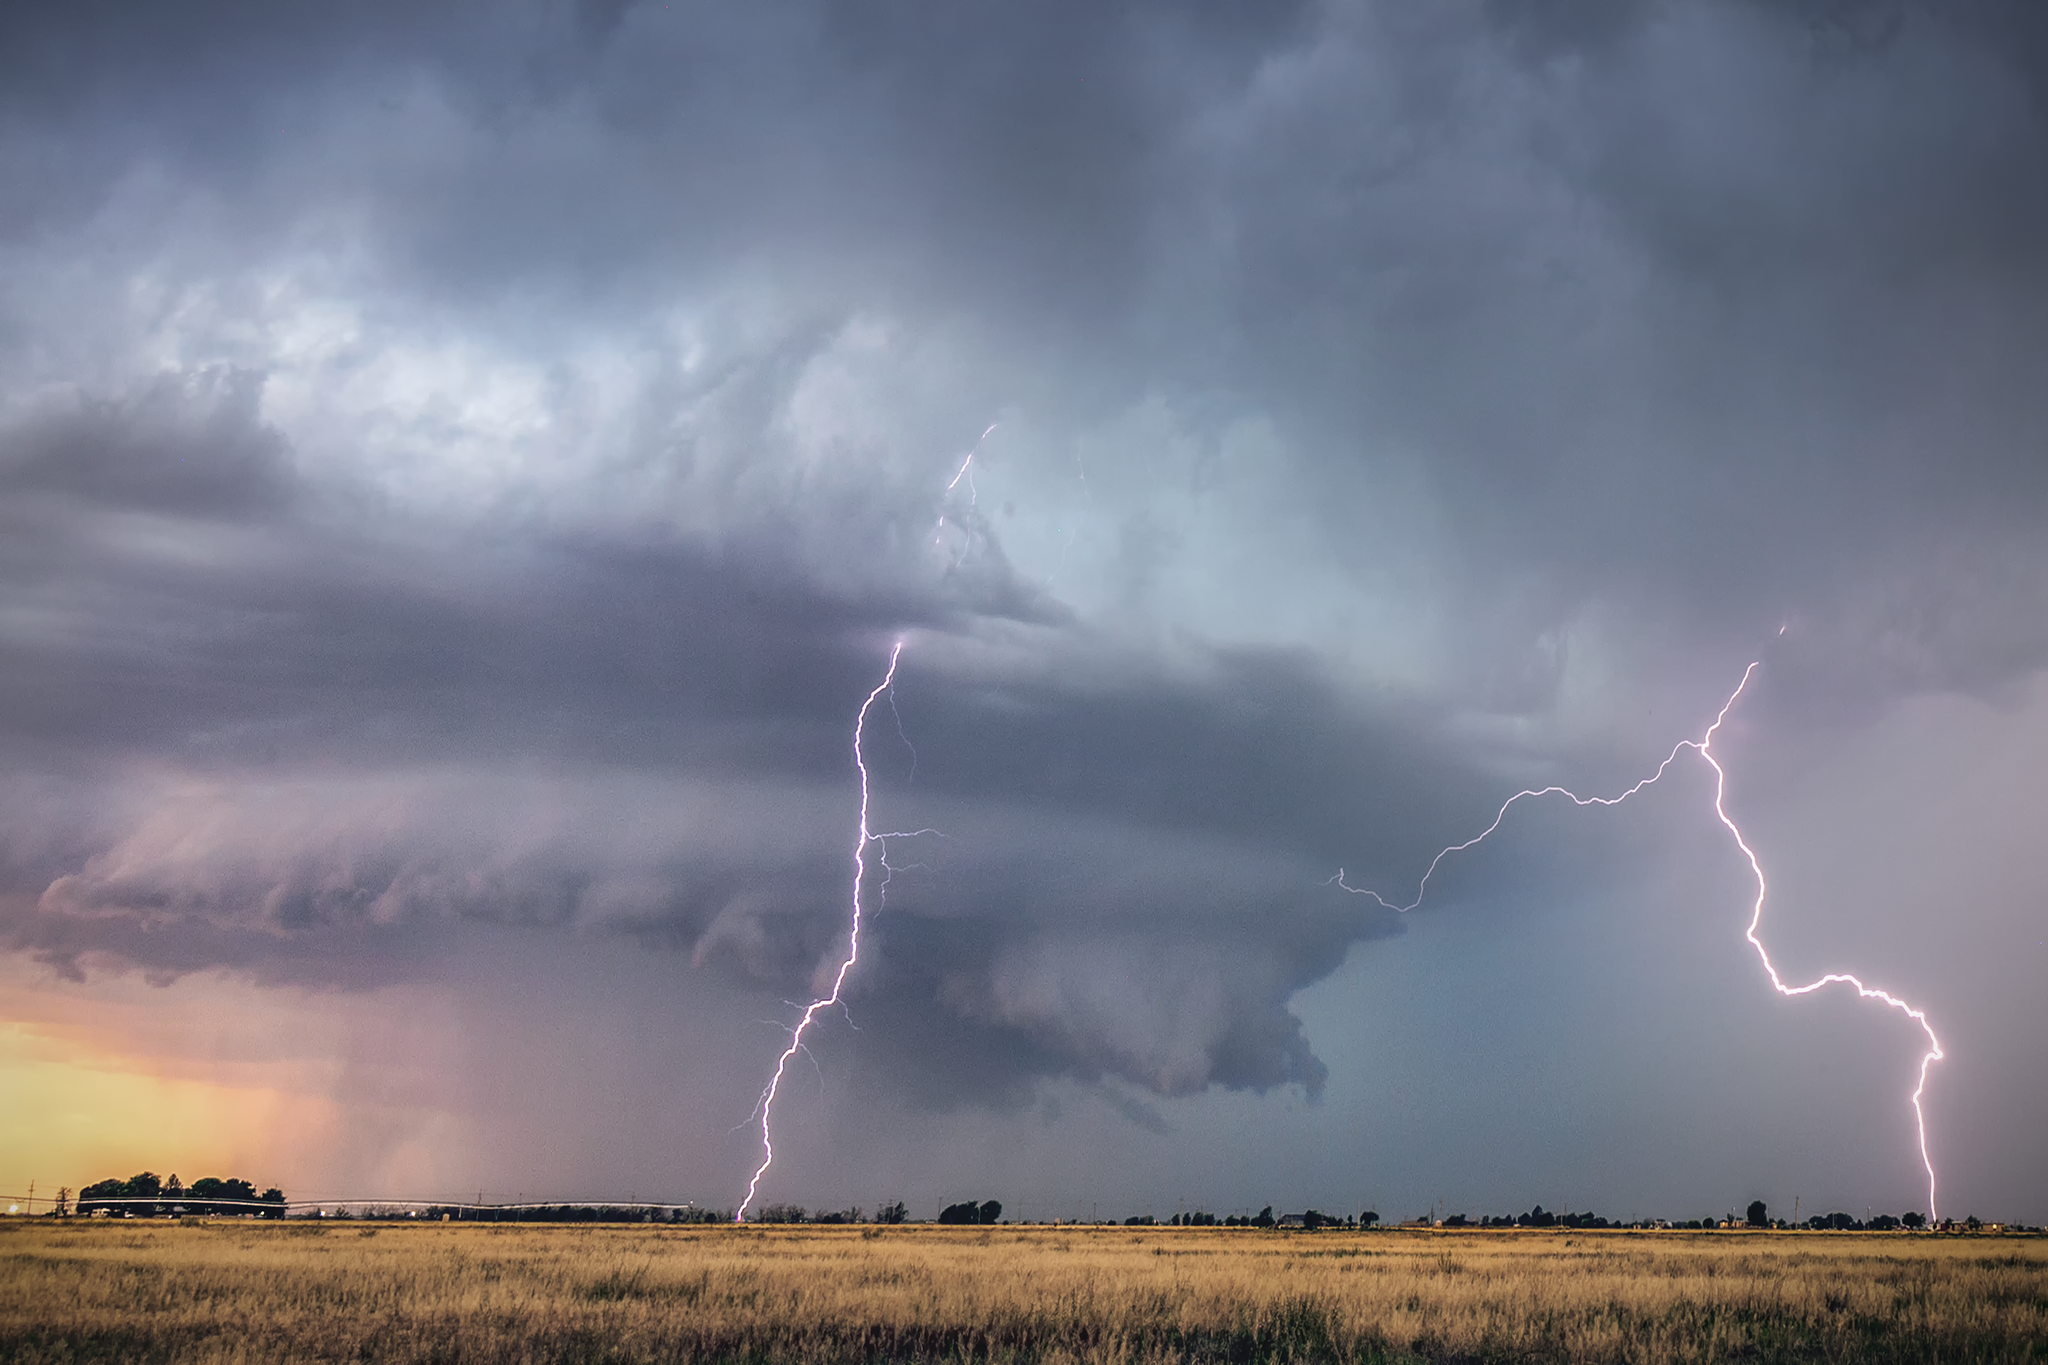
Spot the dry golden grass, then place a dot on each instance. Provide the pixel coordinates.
(237, 1291)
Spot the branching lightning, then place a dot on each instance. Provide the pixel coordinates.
(862, 840)
(1704, 747)
(966, 472)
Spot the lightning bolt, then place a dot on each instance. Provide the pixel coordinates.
(964, 472)
(863, 839)
(860, 874)
(1704, 747)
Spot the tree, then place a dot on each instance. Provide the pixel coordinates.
(1756, 1214)
(216, 1196)
(971, 1213)
(1368, 1218)
(1264, 1218)
(136, 1195)
(89, 1198)
(1915, 1221)
(892, 1213)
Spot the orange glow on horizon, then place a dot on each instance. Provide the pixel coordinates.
(206, 1075)
(75, 1115)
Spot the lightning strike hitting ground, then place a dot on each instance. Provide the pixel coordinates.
(862, 840)
(860, 872)
(1704, 746)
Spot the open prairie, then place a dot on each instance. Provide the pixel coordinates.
(246, 1292)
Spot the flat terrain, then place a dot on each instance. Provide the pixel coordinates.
(246, 1292)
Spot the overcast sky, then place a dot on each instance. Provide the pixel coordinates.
(462, 467)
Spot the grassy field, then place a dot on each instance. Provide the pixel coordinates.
(246, 1292)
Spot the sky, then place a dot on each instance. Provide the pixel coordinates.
(463, 467)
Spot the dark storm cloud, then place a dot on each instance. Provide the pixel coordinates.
(340, 730)
(1698, 316)
(1668, 295)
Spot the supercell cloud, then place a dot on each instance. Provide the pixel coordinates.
(461, 467)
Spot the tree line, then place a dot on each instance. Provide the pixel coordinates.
(146, 1195)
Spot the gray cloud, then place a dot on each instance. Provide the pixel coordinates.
(371, 735)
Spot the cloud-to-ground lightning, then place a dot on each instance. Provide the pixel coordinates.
(1704, 747)
(862, 840)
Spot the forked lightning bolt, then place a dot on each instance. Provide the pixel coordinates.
(863, 838)
(1704, 747)
(860, 874)
(964, 472)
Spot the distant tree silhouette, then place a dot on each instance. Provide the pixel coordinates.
(1916, 1221)
(207, 1194)
(144, 1195)
(892, 1213)
(971, 1213)
(89, 1198)
(1265, 1218)
(137, 1195)
(1755, 1214)
(1368, 1218)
